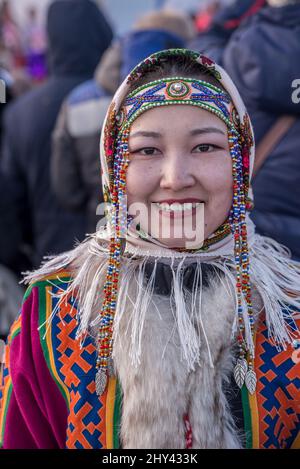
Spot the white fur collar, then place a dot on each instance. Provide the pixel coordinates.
(161, 389)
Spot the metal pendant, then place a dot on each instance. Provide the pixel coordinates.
(240, 371)
(101, 382)
(251, 381)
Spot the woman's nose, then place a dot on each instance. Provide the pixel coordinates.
(177, 173)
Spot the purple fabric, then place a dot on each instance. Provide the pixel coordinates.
(37, 413)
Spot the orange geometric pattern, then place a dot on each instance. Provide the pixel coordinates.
(278, 393)
(75, 366)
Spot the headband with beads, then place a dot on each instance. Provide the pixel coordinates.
(199, 93)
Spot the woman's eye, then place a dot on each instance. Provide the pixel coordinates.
(205, 148)
(149, 151)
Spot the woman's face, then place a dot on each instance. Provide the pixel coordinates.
(179, 179)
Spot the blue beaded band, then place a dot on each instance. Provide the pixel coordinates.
(174, 91)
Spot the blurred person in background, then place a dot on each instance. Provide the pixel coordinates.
(213, 35)
(262, 58)
(35, 46)
(75, 166)
(204, 18)
(7, 94)
(13, 51)
(78, 35)
(11, 37)
(11, 292)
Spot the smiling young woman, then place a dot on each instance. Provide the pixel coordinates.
(184, 152)
(138, 339)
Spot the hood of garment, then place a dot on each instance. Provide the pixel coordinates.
(107, 74)
(138, 45)
(78, 34)
(287, 16)
(231, 16)
(268, 47)
(125, 53)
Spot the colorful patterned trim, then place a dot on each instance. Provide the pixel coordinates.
(272, 413)
(254, 420)
(45, 331)
(117, 415)
(93, 422)
(247, 417)
(5, 397)
(253, 409)
(277, 394)
(5, 379)
(15, 329)
(150, 62)
(177, 90)
(113, 414)
(220, 234)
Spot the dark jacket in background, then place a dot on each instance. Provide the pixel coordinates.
(78, 36)
(75, 165)
(225, 22)
(263, 59)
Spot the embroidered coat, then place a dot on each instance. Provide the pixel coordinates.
(48, 397)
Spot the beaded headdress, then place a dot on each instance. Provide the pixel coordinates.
(228, 106)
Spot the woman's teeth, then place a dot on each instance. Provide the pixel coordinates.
(177, 207)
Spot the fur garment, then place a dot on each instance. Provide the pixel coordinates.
(175, 354)
(160, 390)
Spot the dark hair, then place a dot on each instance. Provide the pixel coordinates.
(176, 65)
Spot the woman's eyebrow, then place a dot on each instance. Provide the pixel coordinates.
(145, 133)
(206, 130)
(152, 134)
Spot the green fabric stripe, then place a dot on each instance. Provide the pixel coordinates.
(45, 283)
(117, 416)
(16, 332)
(247, 417)
(4, 415)
(42, 332)
(27, 292)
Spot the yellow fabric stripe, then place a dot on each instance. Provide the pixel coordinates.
(14, 328)
(7, 388)
(58, 275)
(296, 443)
(5, 402)
(254, 408)
(254, 420)
(110, 407)
(49, 342)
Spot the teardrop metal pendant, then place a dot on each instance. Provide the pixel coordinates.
(240, 371)
(251, 381)
(101, 382)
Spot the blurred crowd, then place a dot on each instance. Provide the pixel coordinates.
(22, 48)
(60, 78)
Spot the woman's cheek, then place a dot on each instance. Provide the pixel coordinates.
(140, 182)
(220, 178)
(223, 193)
(219, 185)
